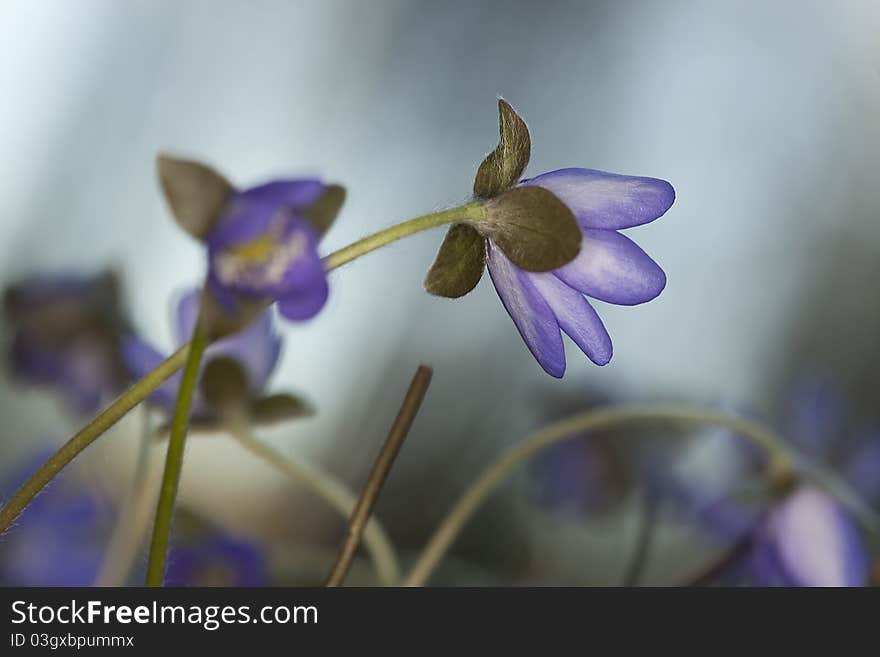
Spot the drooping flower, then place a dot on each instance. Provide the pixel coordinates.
(609, 267)
(59, 539)
(66, 332)
(243, 360)
(261, 242)
(216, 560)
(547, 252)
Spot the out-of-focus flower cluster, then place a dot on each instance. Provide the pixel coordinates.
(790, 533)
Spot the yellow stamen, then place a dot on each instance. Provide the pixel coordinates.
(256, 250)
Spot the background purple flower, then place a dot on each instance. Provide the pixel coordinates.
(817, 423)
(808, 539)
(610, 267)
(59, 539)
(216, 560)
(256, 349)
(596, 473)
(66, 332)
(803, 537)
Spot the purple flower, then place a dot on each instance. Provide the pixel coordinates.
(263, 247)
(66, 332)
(255, 350)
(808, 540)
(610, 267)
(218, 560)
(261, 242)
(60, 537)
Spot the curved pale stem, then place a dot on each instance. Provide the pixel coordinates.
(334, 493)
(780, 461)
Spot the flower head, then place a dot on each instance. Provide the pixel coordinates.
(66, 332)
(808, 540)
(550, 242)
(216, 560)
(261, 242)
(243, 360)
(609, 266)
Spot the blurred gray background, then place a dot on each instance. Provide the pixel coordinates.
(762, 115)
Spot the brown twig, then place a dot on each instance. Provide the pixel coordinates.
(381, 467)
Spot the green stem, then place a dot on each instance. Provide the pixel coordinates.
(335, 494)
(140, 390)
(463, 213)
(174, 459)
(780, 461)
(91, 432)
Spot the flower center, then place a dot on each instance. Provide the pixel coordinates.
(260, 262)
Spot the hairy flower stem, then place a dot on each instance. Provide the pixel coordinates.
(140, 390)
(91, 432)
(780, 463)
(174, 459)
(334, 493)
(462, 213)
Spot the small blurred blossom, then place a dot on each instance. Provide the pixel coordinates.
(217, 560)
(66, 333)
(588, 475)
(808, 539)
(576, 477)
(254, 351)
(59, 539)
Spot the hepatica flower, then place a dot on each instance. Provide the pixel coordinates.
(261, 242)
(66, 332)
(550, 242)
(234, 374)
